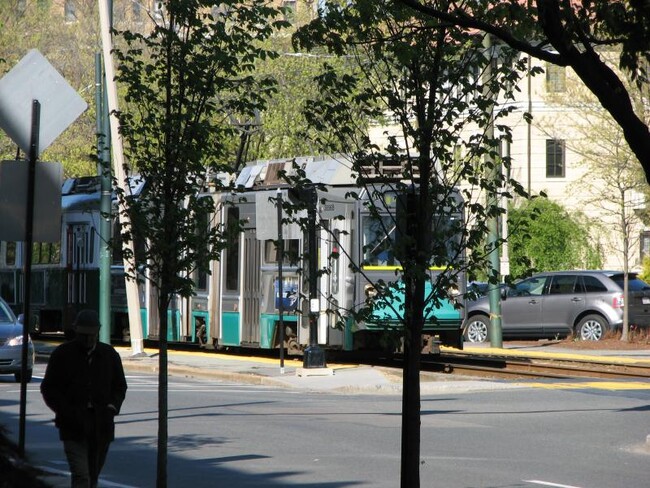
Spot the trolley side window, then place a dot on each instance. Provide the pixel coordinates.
(10, 254)
(46, 253)
(291, 252)
(232, 250)
(81, 245)
(8, 286)
(201, 271)
(334, 260)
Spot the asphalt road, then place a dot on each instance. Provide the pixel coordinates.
(237, 435)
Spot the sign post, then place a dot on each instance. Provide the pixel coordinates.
(36, 106)
(27, 264)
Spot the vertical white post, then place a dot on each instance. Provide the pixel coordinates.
(133, 302)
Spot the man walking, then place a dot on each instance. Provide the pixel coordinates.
(84, 385)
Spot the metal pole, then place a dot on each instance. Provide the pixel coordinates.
(314, 355)
(28, 249)
(505, 253)
(493, 225)
(104, 171)
(278, 202)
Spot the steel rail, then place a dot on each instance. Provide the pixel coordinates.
(552, 367)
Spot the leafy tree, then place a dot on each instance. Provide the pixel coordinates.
(570, 34)
(283, 130)
(645, 269)
(544, 236)
(184, 81)
(431, 81)
(70, 47)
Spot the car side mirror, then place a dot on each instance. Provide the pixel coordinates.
(21, 318)
(504, 293)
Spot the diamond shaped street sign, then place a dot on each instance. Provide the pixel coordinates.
(34, 78)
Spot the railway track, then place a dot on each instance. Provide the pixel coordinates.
(496, 366)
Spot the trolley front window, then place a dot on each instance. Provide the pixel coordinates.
(378, 241)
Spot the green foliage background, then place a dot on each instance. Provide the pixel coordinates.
(70, 47)
(544, 236)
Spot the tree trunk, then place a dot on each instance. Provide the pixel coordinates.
(418, 234)
(413, 304)
(626, 282)
(161, 467)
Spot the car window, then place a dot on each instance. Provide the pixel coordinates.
(477, 289)
(562, 284)
(637, 285)
(530, 287)
(634, 283)
(593, 284)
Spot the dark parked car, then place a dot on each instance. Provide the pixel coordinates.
(587, 304)
(638, 299)
(477, 289)
(11, 345)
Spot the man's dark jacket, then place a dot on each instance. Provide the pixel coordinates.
(76, 383)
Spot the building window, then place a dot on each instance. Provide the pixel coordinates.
(555, 158)
(555, 78)
(645, 244)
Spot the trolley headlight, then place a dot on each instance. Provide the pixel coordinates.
(370, 291)
(453, 291)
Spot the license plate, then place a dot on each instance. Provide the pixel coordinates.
(645, 300)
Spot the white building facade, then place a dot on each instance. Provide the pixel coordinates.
(547, 156)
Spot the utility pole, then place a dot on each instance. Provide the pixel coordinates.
(505, 253)
(133, 299)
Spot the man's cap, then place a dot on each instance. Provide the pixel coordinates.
(87, 322)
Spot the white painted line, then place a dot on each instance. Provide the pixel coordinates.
(548, 483)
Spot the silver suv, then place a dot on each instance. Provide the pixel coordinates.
(587, 304)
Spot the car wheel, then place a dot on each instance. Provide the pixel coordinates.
(477, 329)
(28, 377)
(592, 328)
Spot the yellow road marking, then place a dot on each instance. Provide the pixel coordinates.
(599, 385)
(550, 354)
(290, 361)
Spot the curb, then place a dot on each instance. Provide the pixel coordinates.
(190, 371)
